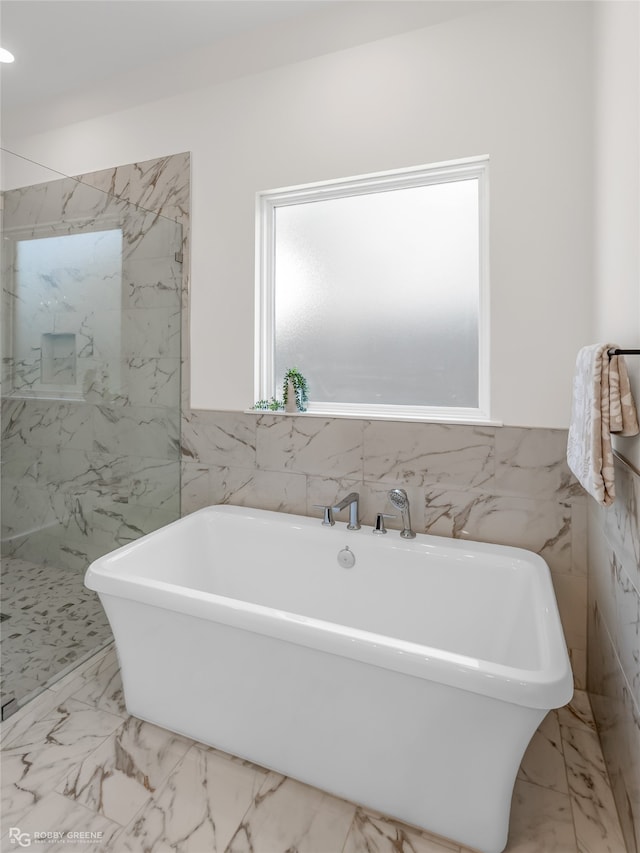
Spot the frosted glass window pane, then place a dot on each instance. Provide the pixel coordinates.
(377, 296)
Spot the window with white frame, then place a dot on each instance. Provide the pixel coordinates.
(375, 289)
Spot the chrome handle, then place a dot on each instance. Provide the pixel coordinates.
(380, 528)
(327, 515)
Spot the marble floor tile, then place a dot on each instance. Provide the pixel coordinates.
(58, 825)
(543, 762)
(597, 826)
(371, 833)
(100, 685)
(198, 808)
(49, 701)
(119, 777)
(287, 815)
(578, 712)
(73, 761)
(541, 821)
(36, 759)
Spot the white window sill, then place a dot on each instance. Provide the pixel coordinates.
(368, 416)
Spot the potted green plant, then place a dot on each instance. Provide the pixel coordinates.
(295, 391)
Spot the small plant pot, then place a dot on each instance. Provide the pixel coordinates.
(290, 405)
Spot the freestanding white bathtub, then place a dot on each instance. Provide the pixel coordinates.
(411, 682)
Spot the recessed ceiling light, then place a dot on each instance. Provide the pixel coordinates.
(6, 56)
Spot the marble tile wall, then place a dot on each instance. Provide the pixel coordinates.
(496, 484)
(614, 641)
(89, 468)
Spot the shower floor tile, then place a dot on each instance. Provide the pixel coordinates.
(51, 623)
(196, 799)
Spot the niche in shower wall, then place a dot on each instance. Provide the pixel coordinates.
(58, 360)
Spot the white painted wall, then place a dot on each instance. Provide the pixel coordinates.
(513, 82)
(617, 196)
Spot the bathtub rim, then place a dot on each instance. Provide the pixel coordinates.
(548, 686)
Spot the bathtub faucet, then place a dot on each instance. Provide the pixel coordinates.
(351, 501)
(399, 499)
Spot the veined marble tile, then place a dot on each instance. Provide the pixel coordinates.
(309, 445)
(606, 678)
(99, 336)
(147, 235)
(99, 685)
(543, 762)
(625, 781)
(622, 520)
(56, 824)
(195, 487)
(603, 571)
(86, 203)
(198, 808)
(597, 825)
(117, 524)
(274, 490)
(541, 821)
(577, 713)
(618, 721)
(160, 184)
(323, 491)
(47, 424)
(626, 627)
(540, 526)
(132, 381)
(36, 761)
(372, 833)
(151, 333)
(41, 706)
(19, 723)
(571, 596)
(219, 438)
(579, 536)
(532, 462)
(26, 206)
(287, 815)
(118, 778)
(136, 431)
(26, 467)
(578, 660)
(144, 481)
(418, 454)
(28, 508)
(152, 283)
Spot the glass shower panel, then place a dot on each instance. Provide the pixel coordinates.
(91, 319)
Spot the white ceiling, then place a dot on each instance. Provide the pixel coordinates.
(67, 46)
(76, 59)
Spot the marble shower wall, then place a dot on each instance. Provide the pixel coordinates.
(92, 463)
(614, 642)
(497, 484)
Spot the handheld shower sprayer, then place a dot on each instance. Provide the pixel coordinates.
(398, 499)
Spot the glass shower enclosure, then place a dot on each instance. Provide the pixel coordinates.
(91, 355)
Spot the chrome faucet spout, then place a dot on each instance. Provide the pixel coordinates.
(351, 501)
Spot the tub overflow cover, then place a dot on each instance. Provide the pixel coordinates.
(346, 557)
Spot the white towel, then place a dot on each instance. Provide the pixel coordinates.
(602, 404)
